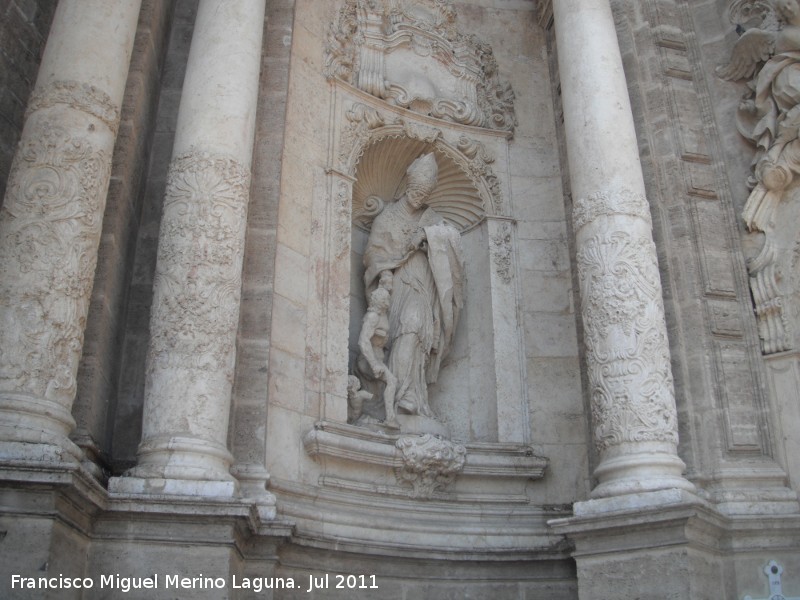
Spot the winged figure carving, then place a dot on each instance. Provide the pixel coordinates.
(769, 114)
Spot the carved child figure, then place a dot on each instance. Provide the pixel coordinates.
(372, 343)
(355, 400)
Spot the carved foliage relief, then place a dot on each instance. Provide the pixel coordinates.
(51, 223)
(411, 54)
(627, 350)
(198, 274)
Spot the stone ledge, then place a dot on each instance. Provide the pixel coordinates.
(364, 446)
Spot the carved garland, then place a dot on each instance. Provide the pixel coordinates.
(79, 96)
(627, 351)
(51, 221)
(603, 204)
(198, 280)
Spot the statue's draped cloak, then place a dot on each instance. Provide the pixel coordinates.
(427, 296)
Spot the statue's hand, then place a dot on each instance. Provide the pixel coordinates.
(417, 240)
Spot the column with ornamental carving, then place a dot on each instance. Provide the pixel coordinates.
(197, 287)
(634, 419)
(50, 222)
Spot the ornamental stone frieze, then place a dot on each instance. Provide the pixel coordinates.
(79, 96)
(411, 54)
(423, 466)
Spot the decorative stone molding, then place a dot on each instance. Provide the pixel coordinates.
(79, 96)
(603, 204)
(480, 170)
(485, 463)
(51, 221)
(774, 328)
(429, 463)
(626, 344)
(411, 54)
(501, 252)
(355, 136)
(198, 283)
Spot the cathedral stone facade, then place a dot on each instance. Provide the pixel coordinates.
(400, 299)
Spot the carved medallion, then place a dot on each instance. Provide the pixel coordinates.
(410, 53)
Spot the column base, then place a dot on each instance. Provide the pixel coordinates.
(172, 487)
(253, 482)
(36, 429)
(177, 465)
(665, 544)
(643, 467)
(760, 488)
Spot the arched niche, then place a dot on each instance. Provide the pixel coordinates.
(464, 396)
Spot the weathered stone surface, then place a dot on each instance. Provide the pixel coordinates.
(607, 333)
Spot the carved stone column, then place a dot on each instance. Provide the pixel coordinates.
(51, 219)
(195, 311)
(632, 398)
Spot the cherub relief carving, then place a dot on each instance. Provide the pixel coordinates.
(767, 55)
(769, 115)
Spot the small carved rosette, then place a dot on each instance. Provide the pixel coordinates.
(429, 463)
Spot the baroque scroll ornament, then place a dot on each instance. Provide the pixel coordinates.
(627, 351)
(198, 282)
(51, 220)
(411, 54)
(767, 57)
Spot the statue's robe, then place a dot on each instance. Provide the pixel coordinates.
(427, 297)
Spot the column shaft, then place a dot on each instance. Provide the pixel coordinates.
(50, 222)
(200, 252)
(632, 397)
